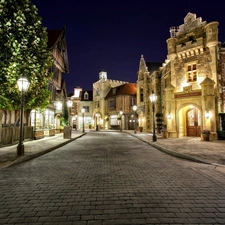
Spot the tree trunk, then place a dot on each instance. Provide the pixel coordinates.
(1, 115)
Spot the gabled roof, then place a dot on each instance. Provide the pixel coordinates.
(54, 36)
(153, 66)
(90, 96)
(125, 89)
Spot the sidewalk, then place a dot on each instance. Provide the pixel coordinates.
(192, 148)
(34, 148)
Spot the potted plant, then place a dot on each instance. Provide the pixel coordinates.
(158, 122)
(206, 135)
(140, 129)
(164, 132)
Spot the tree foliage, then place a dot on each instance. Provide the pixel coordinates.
(23, 52)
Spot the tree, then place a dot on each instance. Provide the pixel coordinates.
(23, 52)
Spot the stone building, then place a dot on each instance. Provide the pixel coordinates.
(100, 90)
(189, 84)
(82, 99)
(119, 104)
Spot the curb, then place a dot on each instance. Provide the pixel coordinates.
(35, 155)
(218, 167)
(170, 152)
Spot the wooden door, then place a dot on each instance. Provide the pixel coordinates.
(193, 122)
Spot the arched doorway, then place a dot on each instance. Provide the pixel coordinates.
(193, 122)
(189, 120)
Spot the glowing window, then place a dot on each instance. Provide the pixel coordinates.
(191, 73)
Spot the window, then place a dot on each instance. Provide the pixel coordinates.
(191, 73)
(86, 95)
(132, 101)
(112, 103)
(86, 108)
(97, 104)
(55, 72)
(141, 94)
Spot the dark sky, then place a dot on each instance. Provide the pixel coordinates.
(113, 36)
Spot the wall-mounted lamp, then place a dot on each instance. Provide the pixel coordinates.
(169, 116)
(207, 115)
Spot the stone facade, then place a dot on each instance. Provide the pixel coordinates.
(189, 84)
(100, 89)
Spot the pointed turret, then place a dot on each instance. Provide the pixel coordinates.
(142, 68)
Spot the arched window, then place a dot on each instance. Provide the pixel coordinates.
(86, 95)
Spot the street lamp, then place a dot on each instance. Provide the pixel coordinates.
(23, 85)
(153, 99)
(83, 110)
(135, 109)
(69, 105)
(121, 115)
(96, 115)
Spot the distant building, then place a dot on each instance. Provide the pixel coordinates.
(119, 104)
(100, 90)
(82, 99)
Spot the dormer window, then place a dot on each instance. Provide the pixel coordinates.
(86, 96)
(192, 73)
(114, 91)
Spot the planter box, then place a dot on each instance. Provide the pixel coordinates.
(67, 132)
(38, 134)
(164, 134)
(49, 133)
(205, 137)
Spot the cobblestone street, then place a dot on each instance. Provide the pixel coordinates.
(111, 178)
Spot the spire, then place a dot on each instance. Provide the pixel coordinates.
(142, 66)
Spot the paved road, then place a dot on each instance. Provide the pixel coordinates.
(111, 178)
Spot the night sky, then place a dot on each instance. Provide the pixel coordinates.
(113, 36)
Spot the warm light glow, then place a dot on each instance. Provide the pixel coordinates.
(121, 112)
(58, 105)
(134, 107)
(169, 116)
(77, 92)
(207, 115)
(69, 103)
(83, 110)
(23, 84)
(153, 97)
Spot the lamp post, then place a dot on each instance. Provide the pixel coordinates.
(153, 99)
(135, 109)
(23, 85)
(96, 115)
(83, 110)
(69, 105)
(75, 125)
(121, 115)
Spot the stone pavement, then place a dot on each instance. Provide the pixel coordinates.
(34, 148)
(192, 148)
